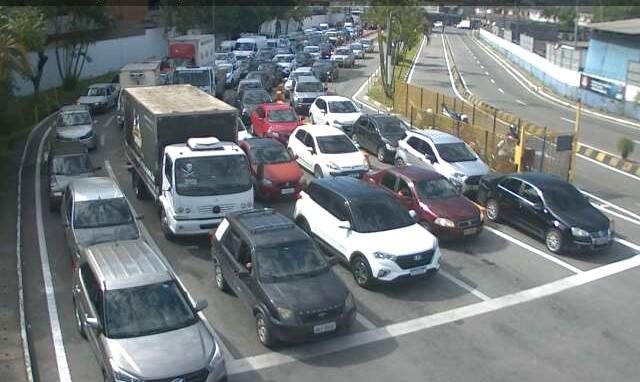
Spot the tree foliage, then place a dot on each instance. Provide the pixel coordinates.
(622, 10)
(564, 14)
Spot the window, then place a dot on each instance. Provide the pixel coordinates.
(417, 144)
(232, 243)
(308, 140)
(389, 181)
(301, 135)
(336, 206)
(321, 104)
(93, 289)
(260, 112)
(68, 204)
(530, 194)
(403, 187)
(168, 169)
(318, 194)
(426, 147)
(511, 184)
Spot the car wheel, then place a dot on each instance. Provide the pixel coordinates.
(399, 162)
(553, 240)
(381, 154)
(221, 283)
(493, 210)
(164, 226)
(361, 272)
(263, 330)
(317, 172)
(79, 322)
(138, 187)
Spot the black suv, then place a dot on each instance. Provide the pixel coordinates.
(379, 134)
(547, 207)
(64, 162)
(278, 271)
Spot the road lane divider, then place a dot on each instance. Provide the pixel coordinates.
(464, 285)
(415, 59)
(610, 160)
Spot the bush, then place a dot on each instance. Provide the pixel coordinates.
(625, 146)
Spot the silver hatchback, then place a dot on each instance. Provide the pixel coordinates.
(74, 124)
(139, 319)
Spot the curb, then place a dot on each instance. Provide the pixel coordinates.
(609, 159)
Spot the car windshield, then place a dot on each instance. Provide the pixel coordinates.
(101, 213)
(309, 87)
(323, 65)
(270, 154)
(356, 46)
(95, 92)
(392, 127)
(193, 77)
(380, 214)
(336, 144)
(439, 188)
(146, 310)
(77, 118)
(311, 49)
(564, 197)
(71, 165)
(455, 152)
(285, 115)
(222, 56)
(217, 175)
(286, 260)
(254, 98)
(245, 45)
(342, 107)
(250, 85)
(344, 52)
(284, 58)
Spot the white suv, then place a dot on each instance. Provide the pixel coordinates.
(367, 228)
(444, 153)
(336, 111)
(326, 151)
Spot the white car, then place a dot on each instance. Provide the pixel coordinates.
(367, 227)
(336, 111)
(284, 62)
(357, 49)
(298, 72)
(313, 50)
(243, 133)
(326, 151)
(443, 153)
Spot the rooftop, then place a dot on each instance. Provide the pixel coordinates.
(437, 136)
(350, 188)
(178, 99)
(628, 27)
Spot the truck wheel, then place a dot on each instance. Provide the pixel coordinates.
(164, 225)
(138, 187)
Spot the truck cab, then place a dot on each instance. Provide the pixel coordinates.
(202, 77)
(202, 180)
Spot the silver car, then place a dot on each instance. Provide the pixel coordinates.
(140, 321)
(74, 124)
(65, 161)
(100, 97)
(344, 57)
(305, 90)
(94, 210)
(357, 49)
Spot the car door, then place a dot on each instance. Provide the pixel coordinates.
(167, 181)
(508, 199)
(532, 211)
(258, 121)
(337, 233)
(320, 117)
(365, 137)
(90, 299)
(388, 182)
(414, 150)
(68, 223)
(298, 144)
(357, 131)
(429, 158)
(403, 193)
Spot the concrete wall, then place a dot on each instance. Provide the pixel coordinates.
(565, 56)
(269, 27)
(106, 56)
(526, 42)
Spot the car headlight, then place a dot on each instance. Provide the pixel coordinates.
(244, 205)
(333, 166)
(266, 182)
(349, 302)
(389, 146)
(120, 375)
(384, 256)
(181, 210)
(444, 222)
(284, 313)
(365, 163)
(579, 232)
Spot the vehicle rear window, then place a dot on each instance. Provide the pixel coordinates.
(305, 87)
(71, 165)
(336, 144)
(95, 92)
(342, 107)
(76, 118)
(101, 213)
(379, 214)
(286, 115)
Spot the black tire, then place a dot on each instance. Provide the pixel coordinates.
(382, 157)
(138, 187)
(264, 331)
(399, 162)
(492, 210)
(361, 272)
(317, 172)
(164, 226)
(554, 241)
(79, 322)
(221, 283)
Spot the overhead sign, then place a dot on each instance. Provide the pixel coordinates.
(606, 88)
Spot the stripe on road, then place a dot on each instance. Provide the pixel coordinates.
(500, 90)
(464, 286)
(493, 81)
(521, 103)
(567, 120)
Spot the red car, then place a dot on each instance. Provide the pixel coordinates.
(275, 120)
(437, 203)
(274, 171)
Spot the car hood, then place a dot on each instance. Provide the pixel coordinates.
(72, 132)
(192, 348)
(283, 172)
(470, 168)
(589, 218)
(314, 292)
(85, 100)
(61, 181)
(345, 160)
(286, 127)
(456, 208)
(393, 139)
(90, 236)
(401, 241)
(286, 65)
(349, 118)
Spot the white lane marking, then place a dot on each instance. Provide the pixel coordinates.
(415, 59)
(481, 66)
(610, 204)
(464, 286)
(453, 86)
(110, 120)
(636, 141)
(101, 140)
(609, 167)
(356, 95)
(629, 244)
(335, 345)
(149, 239)
(56, 332)
(487, 73)
(567, 120)
(500, 90)
(521, 103)
(616, 214)
(493, 81)
(364, 321)
(534, 250)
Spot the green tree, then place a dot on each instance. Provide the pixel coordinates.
(564, 14)
(625, 146)
(622, 10)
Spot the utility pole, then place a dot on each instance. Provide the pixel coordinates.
(576, 131)
(575, 27)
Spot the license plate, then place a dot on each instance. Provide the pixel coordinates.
(418, 271)
(287, 191)
(323, 328)
(470, 231)
(601, 241)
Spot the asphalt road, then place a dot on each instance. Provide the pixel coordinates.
(501, 308)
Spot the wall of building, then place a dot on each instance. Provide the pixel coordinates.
(607, 52)
(269, 27)
(565, 56)
(106, 56)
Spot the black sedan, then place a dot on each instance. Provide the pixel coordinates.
(250, 99)
(379, 134)
(547, 207)
(325, 70)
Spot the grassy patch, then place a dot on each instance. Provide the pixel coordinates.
(376, 90)
(25, 112)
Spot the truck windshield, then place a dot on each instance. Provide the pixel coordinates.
(193, 77)
(219, 175)
(244, 46)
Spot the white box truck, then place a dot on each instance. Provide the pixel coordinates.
(248, 45)
(194, 59)
(147, 73)
(181, 146)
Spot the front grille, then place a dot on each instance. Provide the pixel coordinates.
(469, 223)
(208, 209)
(410, 261)
(473, 180)
(320, 314)
(196, 376)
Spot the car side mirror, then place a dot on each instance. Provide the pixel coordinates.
(333, 260)
(345, 225)
(404, 195)
(92, 322)
(312, 150)
(431, 158)
(538, 206)
(167, 189)
(413, 214)
(323, 111)
(244, 274)
(201, 305)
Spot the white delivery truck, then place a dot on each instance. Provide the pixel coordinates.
(464, 24)
(248, 45)
(194, 58)
(147, 73)
(181, 145)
